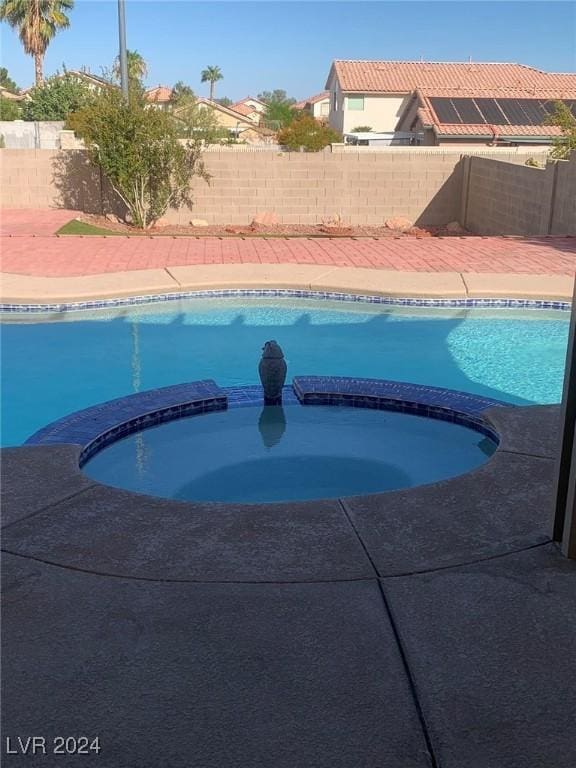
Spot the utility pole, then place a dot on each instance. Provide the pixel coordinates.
(123, 56)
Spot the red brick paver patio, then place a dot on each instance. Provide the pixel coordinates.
(45, 254)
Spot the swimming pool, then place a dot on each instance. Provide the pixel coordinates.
(57, 364)
(287, 453)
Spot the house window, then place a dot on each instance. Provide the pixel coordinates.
(356, 103)
(325, 108)
(334, 102)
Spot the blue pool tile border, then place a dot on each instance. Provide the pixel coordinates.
(98, 426)
(380, 394)
(479, 303)
(95, 427)
(313, 388)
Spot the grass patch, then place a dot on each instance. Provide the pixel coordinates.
(76, 227)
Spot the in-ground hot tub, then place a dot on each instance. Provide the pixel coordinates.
(256, 454)
(332, 437)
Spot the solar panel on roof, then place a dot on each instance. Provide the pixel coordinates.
(491, 112)
(549, 106)
(468, 111)
(513, 111)
(496, 111)
(535, 115)
(445, 111)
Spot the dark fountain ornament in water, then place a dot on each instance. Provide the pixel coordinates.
(272, 370)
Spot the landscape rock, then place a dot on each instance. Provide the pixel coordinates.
(264, 219)
(334, 230)
(111, 217)
(418, 232)
(199, 223)
(399, 223)
(239, 230)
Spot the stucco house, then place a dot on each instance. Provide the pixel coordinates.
(160, 97)
(94, 82)
(251, 108)
(448, 102)
(240, 125)
(248, 112)
(318, 106)
(6, 94)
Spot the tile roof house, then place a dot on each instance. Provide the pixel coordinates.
(160, 96)
(239, 125)
(94, 82)
(318, 105)
(252, 114)
(448, 102)
(250, 101)
(250, 107)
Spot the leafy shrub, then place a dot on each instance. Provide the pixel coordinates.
(138, 150)
(361, 129)
(308, 133)
(6, 81)
(198, 123)
(57, 97)
(565, 120)
(10, 110)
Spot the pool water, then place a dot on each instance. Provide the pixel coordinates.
(287, 453)
(54, 365)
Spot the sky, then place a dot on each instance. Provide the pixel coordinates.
(290, 44)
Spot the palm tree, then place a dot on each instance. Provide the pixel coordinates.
(137, 68)
(37, 22)
(211, 75)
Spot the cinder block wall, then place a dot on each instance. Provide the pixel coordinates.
(503, 198)
(362, 186)
(563, 219)
(309, 188)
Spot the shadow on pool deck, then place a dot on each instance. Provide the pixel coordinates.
(427, 628)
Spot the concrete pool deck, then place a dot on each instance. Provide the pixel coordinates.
(26, 289)
(433, 627)
(428, 628)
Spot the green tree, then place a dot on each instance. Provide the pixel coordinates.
(139, 152)
(224, 101)
(137, 67)
(211, 75)
(9, 109)
(308, 133)
(37, 22)
(57, 97)
(361, 129)
(279, 114)
(7, 82)
(199, 123)
(181, 94)
(277, 96)
(280, 110)
(563, 118)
